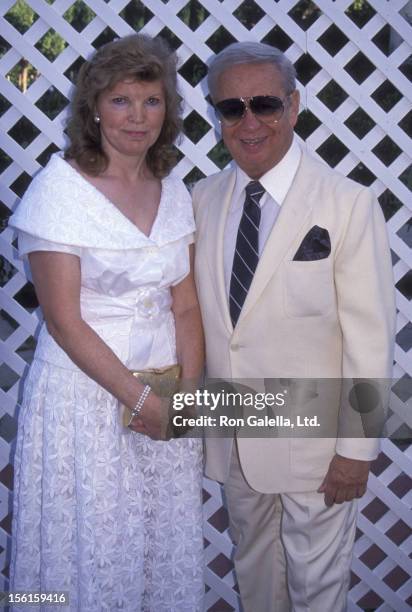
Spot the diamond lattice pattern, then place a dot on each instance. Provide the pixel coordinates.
(354, 66)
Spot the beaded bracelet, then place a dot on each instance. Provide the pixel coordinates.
(140, 402)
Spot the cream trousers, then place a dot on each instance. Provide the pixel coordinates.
(316, 541)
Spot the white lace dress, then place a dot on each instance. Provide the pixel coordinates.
(107, 515)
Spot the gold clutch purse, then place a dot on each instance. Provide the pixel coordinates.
(163, 381)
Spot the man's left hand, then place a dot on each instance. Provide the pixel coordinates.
(345, 480)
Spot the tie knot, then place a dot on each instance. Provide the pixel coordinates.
(255, 191)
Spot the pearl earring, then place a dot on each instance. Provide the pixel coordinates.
(96, 119)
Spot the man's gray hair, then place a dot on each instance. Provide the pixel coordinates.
(250, 53)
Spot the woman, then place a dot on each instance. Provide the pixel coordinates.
(112, 519)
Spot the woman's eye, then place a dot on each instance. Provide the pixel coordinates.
(119, 100)
(153, 101)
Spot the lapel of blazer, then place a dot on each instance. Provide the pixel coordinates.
(294, 210)
(220, 196)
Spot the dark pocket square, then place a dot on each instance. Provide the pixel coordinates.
(315, 245)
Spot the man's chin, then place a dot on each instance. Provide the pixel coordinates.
(254, 170)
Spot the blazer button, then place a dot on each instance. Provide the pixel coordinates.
(235, 347)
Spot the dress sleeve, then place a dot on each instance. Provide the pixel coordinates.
(29, 243)
(181, 257)
(188, 239)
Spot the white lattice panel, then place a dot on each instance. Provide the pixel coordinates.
(354, 67)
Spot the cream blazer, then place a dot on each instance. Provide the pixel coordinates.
(328, 318)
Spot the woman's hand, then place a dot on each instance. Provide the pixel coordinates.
(136, 424)
(153, 418)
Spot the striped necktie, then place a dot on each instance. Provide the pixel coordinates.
(246, 255)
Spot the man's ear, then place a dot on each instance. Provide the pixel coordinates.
(293, 107)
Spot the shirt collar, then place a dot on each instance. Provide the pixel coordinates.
(277, 181)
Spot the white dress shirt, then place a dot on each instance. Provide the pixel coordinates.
(276, 182)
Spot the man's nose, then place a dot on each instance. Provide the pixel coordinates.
(249, 120)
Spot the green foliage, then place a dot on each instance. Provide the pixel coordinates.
(79, 15)
(193, 14)
(21, 16)
(136, 15)
(358, 5)
(360, 11)
(51, 45)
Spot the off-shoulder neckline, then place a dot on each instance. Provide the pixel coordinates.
(114, 209)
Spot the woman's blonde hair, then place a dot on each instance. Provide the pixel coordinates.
(137, 57)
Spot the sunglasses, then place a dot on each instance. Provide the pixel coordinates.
(266, 108)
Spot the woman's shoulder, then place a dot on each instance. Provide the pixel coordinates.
(48, 188)
(176, 211)
(57, 167)
(51, 184)
(175, 190)
(60, 205)
(174, 180)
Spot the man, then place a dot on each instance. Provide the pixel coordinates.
(295, 282)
